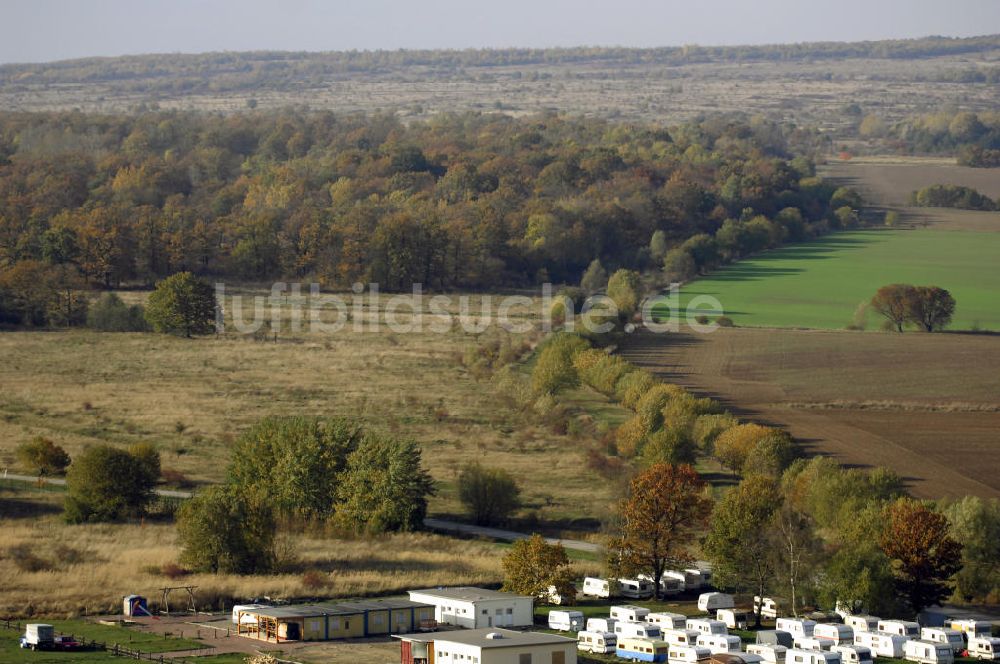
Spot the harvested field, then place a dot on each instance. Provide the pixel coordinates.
(927, 406)
(888, 181)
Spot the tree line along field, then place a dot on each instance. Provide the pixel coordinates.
(821, 283)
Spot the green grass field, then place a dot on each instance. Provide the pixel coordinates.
(820, 284)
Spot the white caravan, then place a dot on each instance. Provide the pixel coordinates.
(971, 627)
(772, 654)
(812, 643)
(719, 643)
(952, 637)
(835, 633)
(984, 647)
(640, 630)
(679, 577)
(603, 625)
(595, 587)
(928, 652)
(711, 602)
(669, 585)
(796, 656)
(910, 630)
(596, 642)
(694, 579)
(734, 618)
(854, 654)
(706, 626)
(635, 588)
(629, 613)
(862, 623)
(768, 606)
(566, 621)
(687, 654)
(680, 637)
(797, 627)
(667, 620)
(882, 645)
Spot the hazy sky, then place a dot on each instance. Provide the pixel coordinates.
(41, 30)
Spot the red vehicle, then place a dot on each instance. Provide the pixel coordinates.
(66, 643)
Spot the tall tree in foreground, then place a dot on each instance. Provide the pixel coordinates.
(739, 543)
(532, 565)
(892, 302)
(924, 556)
(665, 507)
(183, 305)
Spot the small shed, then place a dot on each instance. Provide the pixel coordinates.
(134, 605)
(469, 607)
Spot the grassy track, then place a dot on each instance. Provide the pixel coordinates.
(820, 284)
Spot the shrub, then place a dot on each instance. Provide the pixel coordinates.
(105, 484)
(110, 314)
(631, 435)
(490, 495)
(633, 386)
(43, 456)
(314, 580)
(706, 429)
(724, 321)
(734, 446)
(183, 305)
(554, 371)
(227, 529)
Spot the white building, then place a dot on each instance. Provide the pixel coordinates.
(475, 608)
(487, 646)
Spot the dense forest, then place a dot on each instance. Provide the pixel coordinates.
(973, 137)
(461, 201)
(271, 70)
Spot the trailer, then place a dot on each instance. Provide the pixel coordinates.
(854, 654)
(679, 637)
(566, 621)
(881, 645)
(38, 636)
(688, 654)
(596, 642)
(770, 653)
(812, 643)
(594, 587)
(635, 588)
(629, 613)
(835, 633)
(643, 630)
(984, 647)
(710, 602)
(719, 643)
(706, 626)
(952, 637)
(862, 623)
(928, 652)
(603, 625)
(971, 627)
(767, 606)
(796, 656)
(734, 618)
(667, 620)
(641, 650)
(796, 626)
(777, 637)
(907, 628)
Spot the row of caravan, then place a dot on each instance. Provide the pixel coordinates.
(672, 582)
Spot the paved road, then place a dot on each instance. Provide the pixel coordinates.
(506, 535)
(166, 493)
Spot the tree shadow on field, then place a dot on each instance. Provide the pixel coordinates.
(20, 508)
(755, 273)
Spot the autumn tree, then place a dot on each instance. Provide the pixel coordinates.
(739, 541)
(595, 278)
(533, 565)
(554, 370)
(924, 555)
(929, 307)
(43, 456)
(490, 495)
(183, 305)
(892, 302)
(750, 448)
(625, 290)
(665, 507)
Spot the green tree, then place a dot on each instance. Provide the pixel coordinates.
(930, 307)
(490, 495)
(658, 246)
(43, 456)
(625, 290)
(384, 487)
(975, 522)
(740, 543)
(679, 265)
(105, 483)
(594, 278)
(554, 370)
(664, 509)
(924, 555)
(295, 462)
(111, 314)
(183, 305)
(227, 529)
(532, 565)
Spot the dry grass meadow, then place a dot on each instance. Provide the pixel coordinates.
(191, 398)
